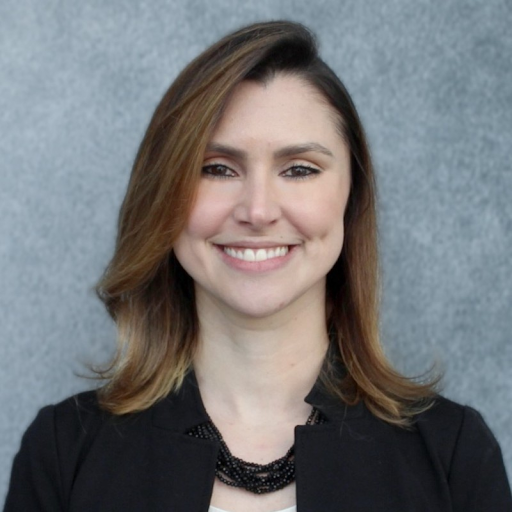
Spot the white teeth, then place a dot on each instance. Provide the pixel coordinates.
(261, 255)
(258, 255)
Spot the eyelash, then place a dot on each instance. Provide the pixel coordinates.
(207, 171)
(311, 171)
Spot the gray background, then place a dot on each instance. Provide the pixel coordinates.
(432, 81)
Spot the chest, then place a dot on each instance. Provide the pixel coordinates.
(353, 469)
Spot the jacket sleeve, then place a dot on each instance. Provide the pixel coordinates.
(477, 477)
(35, 484)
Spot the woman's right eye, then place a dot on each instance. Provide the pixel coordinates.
(218, 171)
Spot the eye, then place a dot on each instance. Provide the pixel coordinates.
(300, 172)
(218, 171)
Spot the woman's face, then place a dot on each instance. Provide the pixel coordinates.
(267, 223)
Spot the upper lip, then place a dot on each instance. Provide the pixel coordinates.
(254, 244)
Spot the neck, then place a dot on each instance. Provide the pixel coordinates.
(252, 369)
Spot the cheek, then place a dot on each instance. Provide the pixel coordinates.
(206, 216)
(321, 213)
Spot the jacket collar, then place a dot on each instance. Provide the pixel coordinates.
(331, 406)
(182, 410)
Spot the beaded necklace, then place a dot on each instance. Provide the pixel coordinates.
(255, 478)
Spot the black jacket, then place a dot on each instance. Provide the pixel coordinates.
(76, 458)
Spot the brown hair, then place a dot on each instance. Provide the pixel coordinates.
(150, 296)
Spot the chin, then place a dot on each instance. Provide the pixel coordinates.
(258, 311)
(266, 306)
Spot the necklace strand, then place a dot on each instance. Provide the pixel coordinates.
(255, 478)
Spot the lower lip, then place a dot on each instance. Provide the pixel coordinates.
(257, 266)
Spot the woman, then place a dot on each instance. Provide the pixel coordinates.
(249, 375)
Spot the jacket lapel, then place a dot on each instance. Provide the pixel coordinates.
(184, 466)
(361, 464)
(357, 463)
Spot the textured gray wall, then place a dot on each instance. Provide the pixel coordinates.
(432, 80)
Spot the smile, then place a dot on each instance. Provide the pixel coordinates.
(256, 254)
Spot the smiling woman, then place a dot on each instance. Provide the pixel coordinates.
(271, 204)
(249, 374)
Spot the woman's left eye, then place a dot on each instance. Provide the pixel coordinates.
(300, 172)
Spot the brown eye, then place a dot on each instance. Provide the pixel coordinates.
(218, 171)
(300, 172)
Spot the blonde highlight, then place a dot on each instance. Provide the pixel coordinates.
(150, 296)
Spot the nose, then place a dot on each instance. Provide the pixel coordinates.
(258, 204)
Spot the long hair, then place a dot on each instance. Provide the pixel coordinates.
(150, 296)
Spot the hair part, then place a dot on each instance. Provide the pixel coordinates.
(150, 296)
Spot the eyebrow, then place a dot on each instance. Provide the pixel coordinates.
(296, 149)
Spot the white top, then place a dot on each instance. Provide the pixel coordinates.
(291, 509)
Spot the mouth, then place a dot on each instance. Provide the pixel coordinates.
(259, 254)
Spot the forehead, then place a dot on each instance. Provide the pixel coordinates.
(285, 107)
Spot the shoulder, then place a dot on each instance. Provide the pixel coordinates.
(450, 427)
(73, 425)
(50, 450)
(62, 432)
(75, 416)
(57, 445)
(448, 422)
(464, 449)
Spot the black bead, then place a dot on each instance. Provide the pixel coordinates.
(255, 478)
